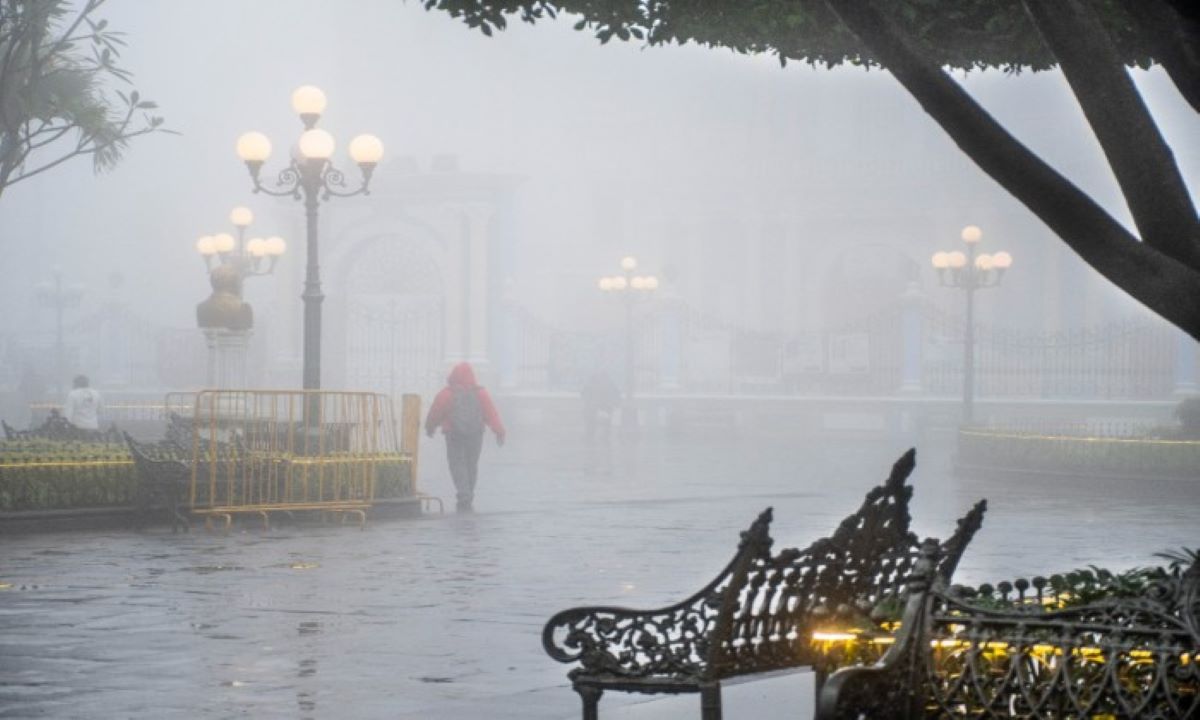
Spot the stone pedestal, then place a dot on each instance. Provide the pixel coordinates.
(226, 357)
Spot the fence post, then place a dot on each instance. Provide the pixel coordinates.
(1185, 364)
(910, 367)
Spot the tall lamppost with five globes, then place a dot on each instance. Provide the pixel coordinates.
(311, 177)
(970, 272)
(628, 286)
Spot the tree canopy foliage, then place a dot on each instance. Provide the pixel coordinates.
(1093, 42)
(55, 63)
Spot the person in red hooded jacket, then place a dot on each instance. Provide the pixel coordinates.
(462, 410)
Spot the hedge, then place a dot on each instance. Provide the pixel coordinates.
(1140, 457)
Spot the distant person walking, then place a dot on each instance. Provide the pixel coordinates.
(83, 405)
(462, 410)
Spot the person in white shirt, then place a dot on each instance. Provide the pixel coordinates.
(83, 405)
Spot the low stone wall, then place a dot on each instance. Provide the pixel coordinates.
(1053, 454)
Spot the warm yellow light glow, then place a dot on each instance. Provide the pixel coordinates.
(972, 234)
(651, 282)
(308, 100)
(254, 147)
(941, 260)
(223, 242)
(605, 284)
(984, 262)
(205, 245)
(834, 636)
(366, 149)
(257, 247)
(619, 283)
(316, 144)
(241, 216)
(1002, 260)
(638, 282)
(957, 260)
(274, 245)
(628, 263)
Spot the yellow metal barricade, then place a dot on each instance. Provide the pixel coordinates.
(259, 451)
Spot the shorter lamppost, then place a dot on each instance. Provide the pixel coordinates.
(629, 287)
(970, 272)
(58, 298)
(248, 258)
(225, 318)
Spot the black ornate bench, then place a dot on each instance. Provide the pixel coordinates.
(1033, 649)
(59, 429)
(163, 476)
(759, 613)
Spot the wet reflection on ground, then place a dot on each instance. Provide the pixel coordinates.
(441, 617)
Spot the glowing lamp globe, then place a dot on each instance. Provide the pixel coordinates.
(638, 282)
(308, 100)
(316, 144)
(619, 283)
(257, 247)
(205, 246)
(971, 234)
(651, 283)
(366, 149)
(241, 216)
(941, 260)
(957, 260)
(984, 262)
(628, 263)
(254, 147)
(223, 242)
(605, 284)
(1002, 261)
(274, 245)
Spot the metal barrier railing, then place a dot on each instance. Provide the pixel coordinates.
(258, 451)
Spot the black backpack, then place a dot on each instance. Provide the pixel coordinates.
(466, 413)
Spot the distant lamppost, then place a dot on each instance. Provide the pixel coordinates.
(311, 176)
(58, 298)
(970, 272)
(249, 258)
(628, 286)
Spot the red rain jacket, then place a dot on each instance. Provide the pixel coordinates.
(462, 376)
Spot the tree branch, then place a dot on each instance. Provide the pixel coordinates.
(1160, 282)
(1140, 158)
(1175, 36)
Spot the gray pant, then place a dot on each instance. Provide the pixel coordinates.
(462, 452)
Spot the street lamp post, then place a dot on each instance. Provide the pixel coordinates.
(970, 272)
(311, 177)
(628, 286)
(55, 296)
(249, 258)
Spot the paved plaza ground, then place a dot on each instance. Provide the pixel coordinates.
(440, 617)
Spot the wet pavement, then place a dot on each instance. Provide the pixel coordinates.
(440, 617)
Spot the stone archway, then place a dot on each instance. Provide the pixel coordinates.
(394, 312)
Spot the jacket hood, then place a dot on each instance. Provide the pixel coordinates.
(462, 376)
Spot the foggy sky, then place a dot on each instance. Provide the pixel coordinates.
(611, 142)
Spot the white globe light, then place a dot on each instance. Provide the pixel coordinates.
(972, 234)
(308, 100)
(223, 242)
(628, 263)
(241, 216)
(605, 284)
(1002, 260)
(274, 245)
(257, 247)
(619, 283)
(316, 144)
(638, 282)
(957, 260)
(984, 262)
(941, 260)
(205, 245)
(651, 283)
(254, 147)
(366, 149)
